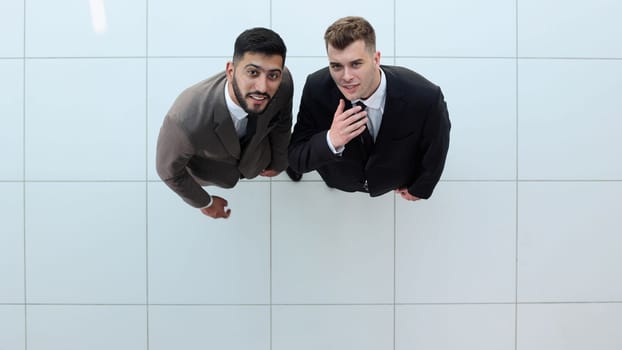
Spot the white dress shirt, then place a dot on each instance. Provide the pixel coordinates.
(238, 114)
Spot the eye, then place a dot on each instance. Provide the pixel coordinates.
(356, 64)
(274, 75)
(335, 67)
(252, 72)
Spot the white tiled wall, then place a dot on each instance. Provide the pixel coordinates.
(517, 249)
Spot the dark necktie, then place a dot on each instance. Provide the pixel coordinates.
(366, 139)
(251, 125)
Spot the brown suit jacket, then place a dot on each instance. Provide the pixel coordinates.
(198, 144)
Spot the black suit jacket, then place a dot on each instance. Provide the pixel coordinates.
(410, 148)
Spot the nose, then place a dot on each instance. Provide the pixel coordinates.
(261, 83)
(347, 74)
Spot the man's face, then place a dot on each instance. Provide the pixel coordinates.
(355, 70)
(254, 80)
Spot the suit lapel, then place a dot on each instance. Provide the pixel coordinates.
(393, 107)
(390, 117)
(223, 126)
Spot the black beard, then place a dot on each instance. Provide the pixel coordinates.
(241, 99)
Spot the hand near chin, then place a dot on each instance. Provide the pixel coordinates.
(346, 124)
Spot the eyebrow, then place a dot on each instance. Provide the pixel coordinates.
(251, 65)
(358, 60)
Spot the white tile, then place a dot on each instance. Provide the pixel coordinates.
(209, 327)
(168, 77)
(569, 242)
(569, 327)
(332, 327)
(11, 243)
(575, 28)
(12, 323)
(85, 243)
(194, 259)
(12, 122)
(12, 28)
(569, 121)
(330, 246)
(87, 327)
(459, 246)
(85, 28)
(308, 39)
(85, 119)
(449, 327)
(191, 28)
(483, 131)
(481, 28)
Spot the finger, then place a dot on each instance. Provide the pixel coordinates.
(227, 213)
(340, 107)
(356, 132)
(357, 127)
(341, 113)
(355, 110)
(350, 116)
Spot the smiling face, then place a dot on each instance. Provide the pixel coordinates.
(355, 70)
(254, 80)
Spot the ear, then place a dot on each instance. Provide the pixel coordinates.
(229, 70)
(377, 58)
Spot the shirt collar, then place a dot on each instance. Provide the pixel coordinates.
(237, 112)
(376, 100)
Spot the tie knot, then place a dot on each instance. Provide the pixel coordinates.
(361, 104)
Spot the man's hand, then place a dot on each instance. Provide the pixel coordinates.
(269, 173)
(217, 209)
(346, 125)
(406, 195)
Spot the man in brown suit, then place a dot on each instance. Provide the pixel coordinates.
(233, 125)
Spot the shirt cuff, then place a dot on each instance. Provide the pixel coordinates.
(332, 148)
(208, 204)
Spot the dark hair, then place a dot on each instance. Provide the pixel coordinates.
(349, 29)
(258, 40)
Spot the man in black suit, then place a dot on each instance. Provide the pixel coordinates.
(369, 127)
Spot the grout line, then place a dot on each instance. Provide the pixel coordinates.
(319, 56)
(394, 270)
(516, 203)
(147, 309)
(270, 264)
(567, 302)
(394, 199)
(24, 180)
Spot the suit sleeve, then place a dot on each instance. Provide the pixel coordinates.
(308, 148)
(173, 153)
(280, 134)
(434, 148)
